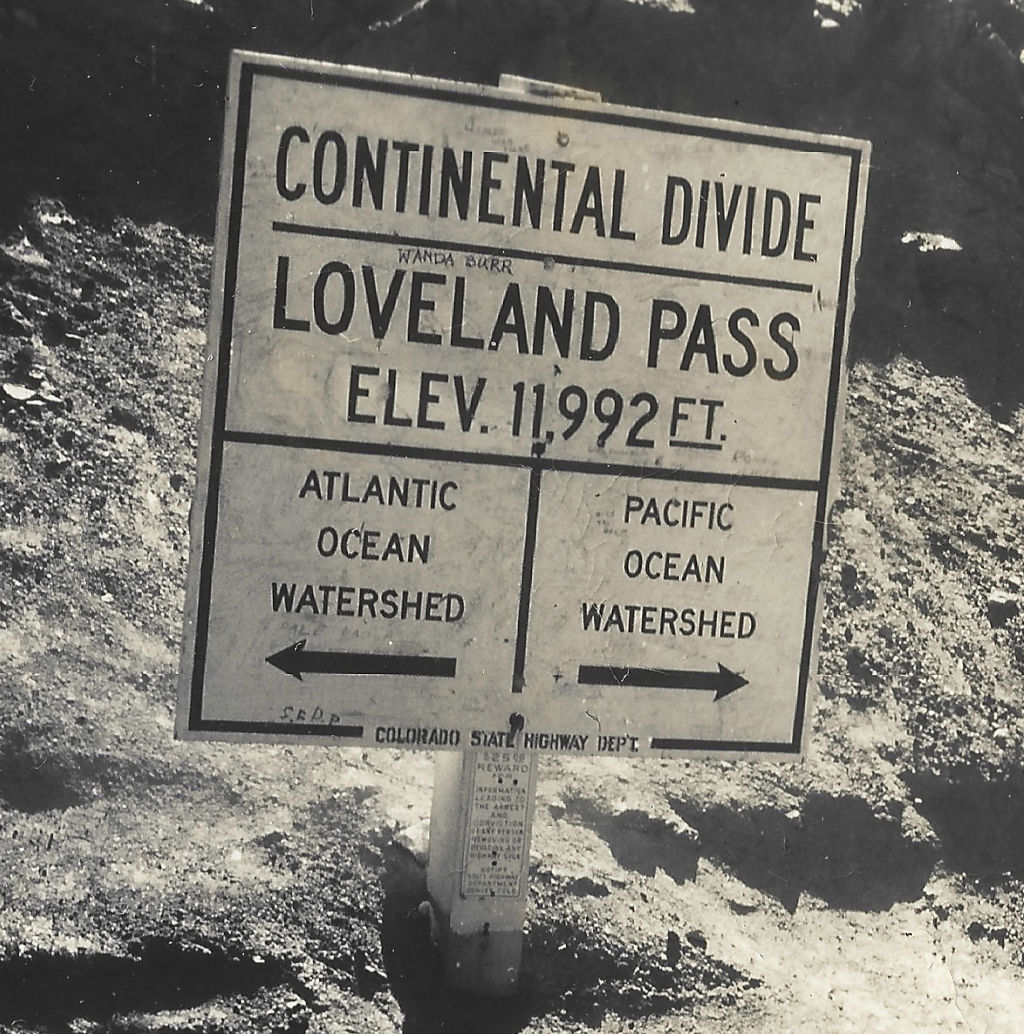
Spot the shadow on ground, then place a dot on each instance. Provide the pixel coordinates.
(573, 964)
(979, 821)
(414, 965)
(43, 991)
(638, 841)
(836, 848)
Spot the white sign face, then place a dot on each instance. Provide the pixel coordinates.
(519, 422)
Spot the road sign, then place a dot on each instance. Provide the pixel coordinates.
(519, 421)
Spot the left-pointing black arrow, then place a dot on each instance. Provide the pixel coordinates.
(723, 681)
(296, 660)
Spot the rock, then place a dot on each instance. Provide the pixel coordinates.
(585, 887)
(673, 948)
(912, 445)
(1001, 606)
(55, 327)
(415, 839)
(274, 840)
(25, 254)
(51, 212)
(12, 321)
(125, 417)
(848, 577)
(18, 392)
(742, 900)
(981, 931)
(697, 939)
(929, 241)
(29, 356)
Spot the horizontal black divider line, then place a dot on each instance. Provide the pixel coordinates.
(657, 743)
(220, 725)
(412, 452)
(305, 230)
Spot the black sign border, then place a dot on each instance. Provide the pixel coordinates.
(252, 66)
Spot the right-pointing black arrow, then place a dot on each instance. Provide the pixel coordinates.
(722, 682)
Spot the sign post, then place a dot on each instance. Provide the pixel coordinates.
(480, 827)
(519, 426)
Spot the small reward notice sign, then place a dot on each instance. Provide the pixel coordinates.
(519, 420)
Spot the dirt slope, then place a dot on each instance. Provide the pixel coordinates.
(150, 885)
(153, 886)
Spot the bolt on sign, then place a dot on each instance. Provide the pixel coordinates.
(519, 420)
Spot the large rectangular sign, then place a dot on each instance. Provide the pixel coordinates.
(519, 420)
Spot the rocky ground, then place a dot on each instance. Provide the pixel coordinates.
(148, 885)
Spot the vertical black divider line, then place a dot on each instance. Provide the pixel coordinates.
(526, 582)
(231, 257)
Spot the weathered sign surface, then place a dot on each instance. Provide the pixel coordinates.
(515, 407)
